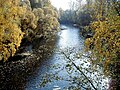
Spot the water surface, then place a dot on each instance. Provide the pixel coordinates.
(70, 42)
(68, 39)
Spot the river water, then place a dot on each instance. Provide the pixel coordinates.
(70, 42)
(68, 39)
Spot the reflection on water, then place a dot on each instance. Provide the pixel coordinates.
(71, 43)
(68, 38)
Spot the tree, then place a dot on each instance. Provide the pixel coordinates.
(19, 21)
(105, 44)
(10, 32)
(47, 23)
(28, 21)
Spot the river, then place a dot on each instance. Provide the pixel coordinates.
(71, 43)
(68, 39)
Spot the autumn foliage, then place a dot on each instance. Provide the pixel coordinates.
(10, 32)
(19, 20)
(105, 44)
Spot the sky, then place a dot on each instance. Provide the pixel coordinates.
(64, 4)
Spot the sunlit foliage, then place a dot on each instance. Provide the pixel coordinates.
(47, 23)
(51, 11)
(29, 21)
(39, 13)
(36, 21)
(105, 44)
(18, 20)
(10, 32)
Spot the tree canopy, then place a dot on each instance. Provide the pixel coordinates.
(20, 19)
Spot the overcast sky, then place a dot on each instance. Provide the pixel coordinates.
(64, 4)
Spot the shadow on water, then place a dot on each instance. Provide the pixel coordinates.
(15, 74)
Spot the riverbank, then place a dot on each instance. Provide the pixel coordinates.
(14, 74)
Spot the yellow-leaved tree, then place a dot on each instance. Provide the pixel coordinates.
(105, 44)
(47, 18)
(10, 32)
(28, 21)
